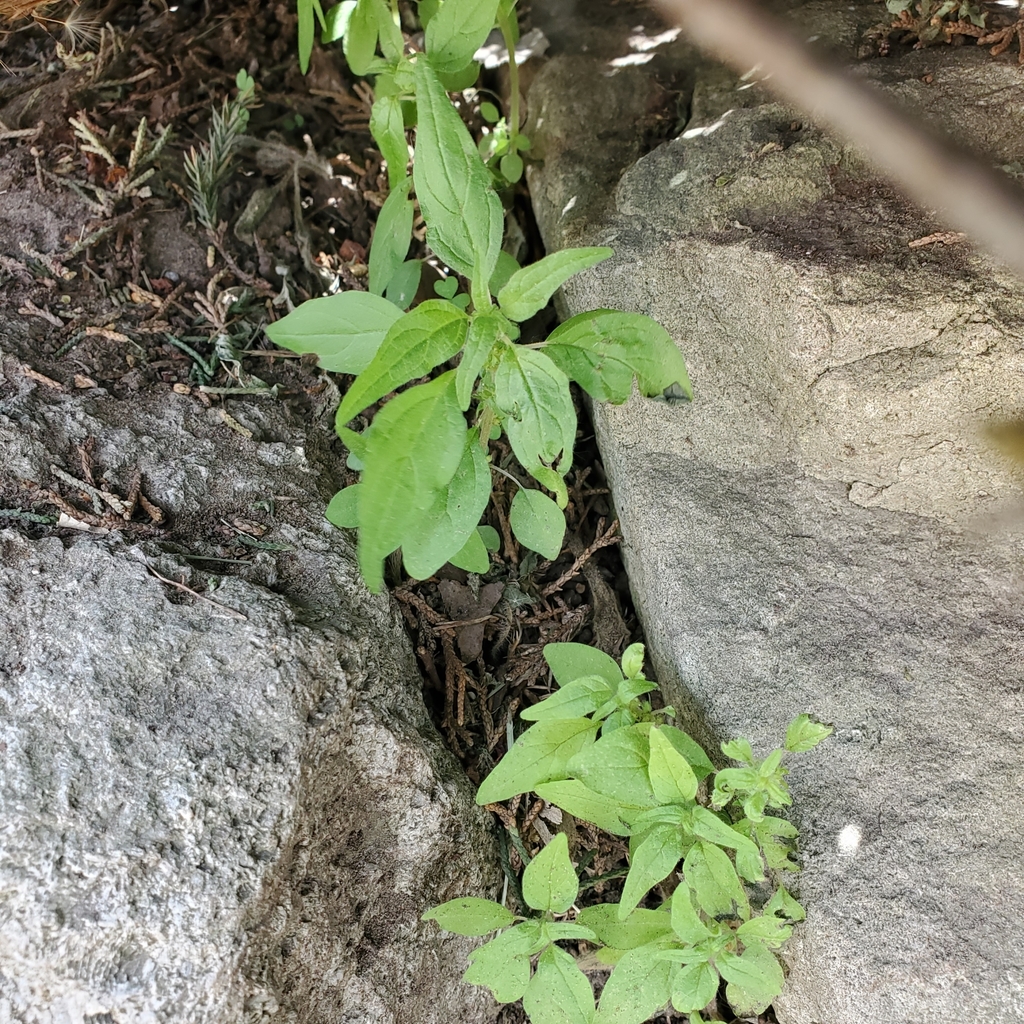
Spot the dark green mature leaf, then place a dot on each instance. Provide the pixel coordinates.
(473, 555)
(582, 802)
(539, 755)
(506, 266)
(457, 32)
(652, 861)
(602, 351)
(361, 37)
(484, 331)
(306, 26)
(713, 879)
(549, 881)
(754, 978)
(533, 396)
(528, 290)
(343, 509)
(344, 330)
(464, 216)
(671, 776)
(413, 448)
(470, 915)
(694, 987)
(387, 126)
(573, 661)
(686, 922)
(639, 986)
(574, 700)
(616, 765)
(559, 992)
(804, 734)
(537, 522)
(417, 342)
(503, 964)
(443, 530)
(638, 929)
(391, 237)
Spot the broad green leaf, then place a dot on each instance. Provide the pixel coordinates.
(707, 825)
(484, 330)
(549, 881)
(557, 931)
(629, 689)
(528, 290)
(343, 509)
(457, 31)
(559, 992)
(391, 237)
(694, 987)
(690, 749)
(573, 661)
(538, 415)
(754, 979)
(417, 342)
(490, 536)
(616, 765)
(463, 212)
(638, 929)
(470, 916)
(772, 931)
(738, 750)
(360, 45)
(506, 266)
(686, 922)
(582, 802)
(604, 349)
(473, 555)
(537, 522)
(633, 661)
(714, 881)
(344, 330)
(652, 862)
(783, 904)
(404, 284)
(387, 127)
(574, 700)
(460, 80)
(804, 734)
(672, 778)
(445, 528)
(776, 854)
(306, 26)
(337, 21)
(730, 781)
(413, 448)
(511, 166)
(427, 9)
(503, 964)
(539, 755)
(638, 987)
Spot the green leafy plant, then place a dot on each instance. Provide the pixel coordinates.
(600, 752)
(425, 474)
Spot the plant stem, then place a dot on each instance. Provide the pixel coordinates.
(505, 24)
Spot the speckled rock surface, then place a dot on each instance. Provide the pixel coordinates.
(215, 812)
(825, 528)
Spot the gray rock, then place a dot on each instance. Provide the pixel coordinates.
(224, 809)
(826, 529)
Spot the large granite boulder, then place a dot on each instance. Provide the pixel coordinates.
(223, 808)
(826, 528)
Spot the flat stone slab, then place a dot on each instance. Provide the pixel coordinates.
(826, 528)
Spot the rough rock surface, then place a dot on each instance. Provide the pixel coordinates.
(224, 810)
(825, 528)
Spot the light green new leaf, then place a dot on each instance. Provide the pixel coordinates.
(537, 522)
(549, 881)
(783, 904)
(337, 21)
(457, 31)
(528, 290)
(690, 749)
(707, 825)
(417, 342)
(652, 862)
(506, 266)
(404, 284)
(444, 529)
(694, 987)
(473, 555)
(387, 126)
(754, 978)
(582, 802)
(804, 734)
(391, 237)
(557, 931)
(633, 661)
(672, 778)
(616, 765)
(777, 854)
(738, 750)
(713, 879)
(539, 755)
(464, 216)
(639, 986)
(573, 661)
(538, 415)
(503, 964)
(343, 509)
(770, 930)
(638, 929)
(344, 330)
(392, 42)
(360, 45)
(686, 922)
(413, 448)
(559, 992)
(604, 349)
(470, 916)
(574, 700)
(484, 330)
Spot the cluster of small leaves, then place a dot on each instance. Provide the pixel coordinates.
(599, 752)
(425, 476)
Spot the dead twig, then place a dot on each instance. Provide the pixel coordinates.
(207, 600)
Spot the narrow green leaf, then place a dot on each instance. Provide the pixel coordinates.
(528, 290)
(470, 915)
(391, 237)
(653, 861)
(638, 929)
(457, 31)
(573, 661)
(538, 415)
(616, 765)
(694, 987)
(638, 987)
(464, 216)
(343, 509)
(344, 330)
(360, 45)
(557, 931)
(503, 964)
(574, 700)
(549, 881)
(604, 349)
(539, 755)
(537, 522)
(754, 979)
(417, 342)
(484, 330)
(306, 27)
(686, 922)
(714, 881)
(582, 802)
(337, 21)
(391, 41)
(672, 778)
(707, 825)
(559, 992)
(404, 284)
(472, 556)
(506, 266)
(805, 734)
(387, 127)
